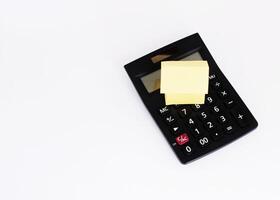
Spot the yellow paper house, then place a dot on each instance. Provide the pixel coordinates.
(184, 82)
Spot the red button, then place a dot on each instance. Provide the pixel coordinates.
(182, 139)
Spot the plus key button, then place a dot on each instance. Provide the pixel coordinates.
(240, 117)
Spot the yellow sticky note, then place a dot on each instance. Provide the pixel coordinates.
(184, 82)
(184, 99)
(184, 77)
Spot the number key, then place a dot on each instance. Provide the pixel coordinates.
(188, 150)
(196, 132)
(222, 119)
(203, 142)
(184, 111)
(209, 125)
(196, 107)
(216, 109)
(203, 116)
(209, 100)
(191, 122)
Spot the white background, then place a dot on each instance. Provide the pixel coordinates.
(73, 127)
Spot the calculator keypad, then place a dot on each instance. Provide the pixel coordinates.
(197, 126)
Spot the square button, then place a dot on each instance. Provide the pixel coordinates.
(229, 129)
(197, 107)
(184, 111)
(240, 117)
(203, 116)
(223, 94)
(164, 110)
(209, 125)
(176, 129)
(212, 77)
(182, 139)
(169, 119)
(209, 100)
(188, 150)
(202, 142)
(196, 132)
(229, 103)
(216, 109)
(222, 119)
(217, 135)
(191, 122)
(216, 84)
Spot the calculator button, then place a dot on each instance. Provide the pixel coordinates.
(240, 117)
(175, 129)
(191, 122)
(164, 110)
(222, 119)
(223, 94)
(202, 142)
(209, 125)
(203, 116)
(188, 149)
(184, 111)
(196, 107)
(229, 129)
(216, 109)
(229, 103)
(182, 139)
(209, 100)
(169, 119)
(216, 84)
(196, 132)
(217, 135)
(212, 77)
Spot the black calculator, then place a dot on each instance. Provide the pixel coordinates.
(192, 130)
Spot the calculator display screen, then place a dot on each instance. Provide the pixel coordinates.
(152, 81)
